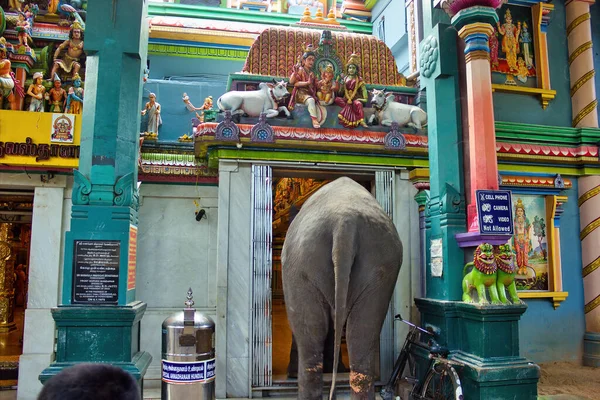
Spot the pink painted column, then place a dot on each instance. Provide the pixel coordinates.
(481, 152)
(585, 114)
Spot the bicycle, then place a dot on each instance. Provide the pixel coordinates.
(441, 381)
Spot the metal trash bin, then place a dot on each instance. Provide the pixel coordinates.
(188, 355)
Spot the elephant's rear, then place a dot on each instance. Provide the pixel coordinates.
(340, 247)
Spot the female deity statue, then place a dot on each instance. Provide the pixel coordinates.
(57, 96)
(526, 40)
(152, 108)
(521, 237)
(326, 87)
(304, 92)
(354, 96)
(36, 91)
(75, 97)
(510, 40)
(74, 49)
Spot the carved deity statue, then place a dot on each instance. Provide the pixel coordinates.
(57, 96)
(354, 96)
(152, 108)
(304, 92)
(75, 97)
(326, 87)
(36, 92)
(53, 6)
(73, 47)
(7, 80)
(510, 40)
(22, 28)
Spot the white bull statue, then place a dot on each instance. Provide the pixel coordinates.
(255, 102)
(387, 110)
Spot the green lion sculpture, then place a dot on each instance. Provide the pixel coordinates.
(506, 274)
(483, 275)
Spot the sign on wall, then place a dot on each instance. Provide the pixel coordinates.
(96, 271)
(63, 128)
(494, 210)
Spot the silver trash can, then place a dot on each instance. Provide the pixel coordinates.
(188, 355)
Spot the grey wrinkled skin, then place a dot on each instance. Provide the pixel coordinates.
(340, 258)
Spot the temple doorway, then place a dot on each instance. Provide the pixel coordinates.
(278, 193)
(16, 208)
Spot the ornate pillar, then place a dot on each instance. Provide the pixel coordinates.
(7, 283)
(481, 153)
(584, 105)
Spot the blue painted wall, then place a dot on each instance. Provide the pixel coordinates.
(595, 11)
(389, 25)
(547, 334)
(170, 77)
(528, 109)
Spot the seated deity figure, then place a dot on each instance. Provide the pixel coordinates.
(304, 92)
(69, 62)
(326, 87)
(354, 96)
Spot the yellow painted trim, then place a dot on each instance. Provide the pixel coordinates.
(477, 27)
(591, 267)
(582, 81)
(575, 23)
(546, 95)
(579, 50)
(588, 195)
(537, 157)
(592, 304)
(205, 36)
(592, 226)
(419, 174)
(557, 297)
(540, 44)
(584, 112)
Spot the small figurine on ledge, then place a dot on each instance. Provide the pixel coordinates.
(75, 97)
(74, 49)
(152, 108)
(36, 91)
(208, 105)
(304, 92)
(57, 96)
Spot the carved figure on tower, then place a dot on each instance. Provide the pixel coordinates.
(8, 82)
(57, 96)
(521, 237)
(152, 108)
(354, 93)
(36, 91)
(22, 29)
(69, 62)
(75, 97)
(326, 87)
(304, 91)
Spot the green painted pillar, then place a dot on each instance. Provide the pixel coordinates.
(445, 210)
(98, 319)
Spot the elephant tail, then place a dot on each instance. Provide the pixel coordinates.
(342, 253)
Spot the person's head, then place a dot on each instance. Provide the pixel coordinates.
(76, 31)
(308, 58)
(91, 382)
(352, 65)
(37, 78)
(77, 80)
(57, 84)
(152, 97)
(508, 17)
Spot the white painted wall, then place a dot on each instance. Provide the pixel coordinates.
(51, 219)
(175, 252)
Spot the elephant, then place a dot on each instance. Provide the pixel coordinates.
(340, 259)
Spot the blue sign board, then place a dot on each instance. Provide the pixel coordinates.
(188, 372)
(494, 208)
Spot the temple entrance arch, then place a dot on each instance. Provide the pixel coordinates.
(269, 220)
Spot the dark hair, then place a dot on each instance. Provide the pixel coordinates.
(91, 382)
(308, 54)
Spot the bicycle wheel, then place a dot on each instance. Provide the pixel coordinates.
(442, 383)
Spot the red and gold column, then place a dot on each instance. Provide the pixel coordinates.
(585, 114)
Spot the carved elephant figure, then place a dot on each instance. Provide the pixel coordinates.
(340, 260)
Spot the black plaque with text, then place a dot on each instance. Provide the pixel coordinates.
(96, 271)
